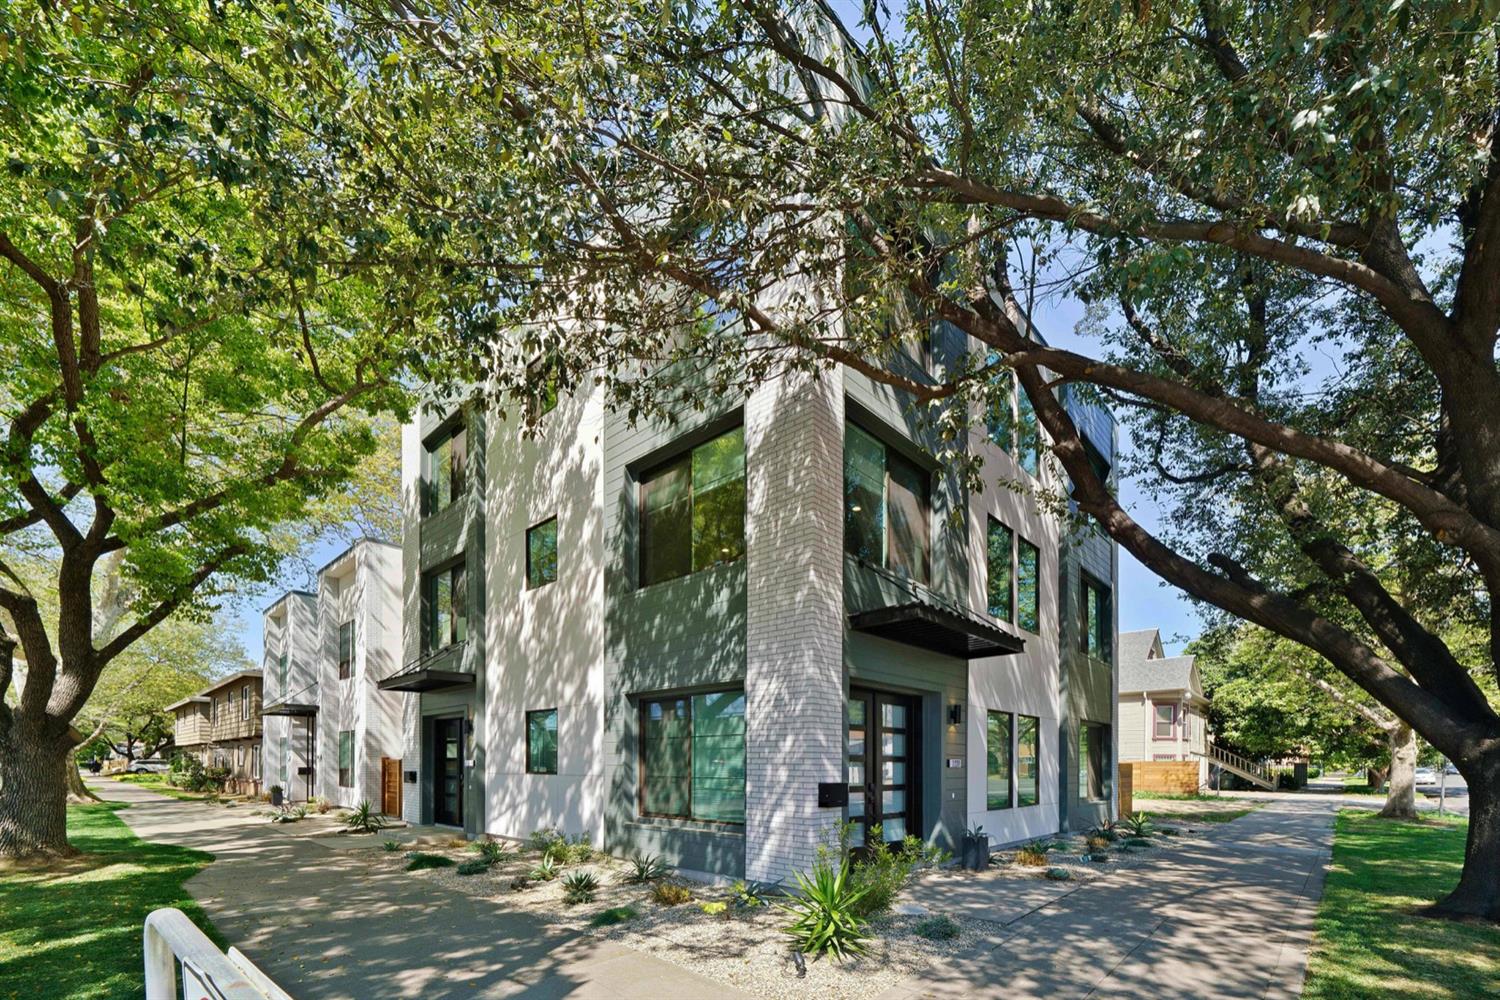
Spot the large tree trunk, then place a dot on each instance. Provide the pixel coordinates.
(1401, 800)
(33, 794)
(1478, 891)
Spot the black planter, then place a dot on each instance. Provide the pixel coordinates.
(276, 797)
(976, 853)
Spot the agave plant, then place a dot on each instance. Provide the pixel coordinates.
(645, 868)
(580, 886)
(824, 915)
(364, 819)
(546, 869)
(1139, 824)
(492, 852)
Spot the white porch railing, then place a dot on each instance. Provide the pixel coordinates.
(173, 941)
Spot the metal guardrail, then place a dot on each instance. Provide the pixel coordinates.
(173, 943)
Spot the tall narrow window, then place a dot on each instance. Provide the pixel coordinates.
(245, 705)
(541, 741)
(1093, 744)
(693, 510)
(445, 607)
(1166, 721)
(447, 468)
(1028, 731)
(997, 760)
(887, 506)
(541, 554)
(1028, 434)
(692, 751)
(1001, 577)
(281, 668)
(346, 759)
(542, 378)
(1000, 417)
(346, 650)
(1096, 623)
(1028, 586)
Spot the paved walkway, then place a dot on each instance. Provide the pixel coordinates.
(328, 923)
(1228, 919)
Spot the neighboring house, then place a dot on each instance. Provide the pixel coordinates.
(221, 726)
(290, 638)
(712, 639)
(1163, 711)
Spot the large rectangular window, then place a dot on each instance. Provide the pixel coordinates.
(1000, 578)
(541, 554)
(1028, 586)
(541, 741)
(693, 757)
(887, 506)
(346, 759)
(997, 770)
(445, 613)
(447, 468)
(1028, 750)
(693, 510)
(1093, 741)
(1095, 619)
(346, 650)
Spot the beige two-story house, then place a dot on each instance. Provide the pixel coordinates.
(1163, 711)
(221, 726)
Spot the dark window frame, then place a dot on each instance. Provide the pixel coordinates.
(543, 399)
(642, 707)
(556, 750)
(346, 649)
(1093, 761)
(456, 429)
(1036, 794)
(1099, 646)
(429, 610)
(924, 474)
(991, 523)
(346, 771)
(681, 462)
(531, 582)
(1010, 760)
(1024, 546)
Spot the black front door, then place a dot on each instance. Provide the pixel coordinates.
(884, 765)
(448, 772)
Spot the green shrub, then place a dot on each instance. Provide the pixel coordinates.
(670, 893)
(750, 895)
(579, 850)
(614, 915)
(580, 887)
(824, 917)
(1138, 823)
(886, 871)
(541, 839)
(1099, 856)
(492, 852)
(1059, 874)
(390, 845)
(1034, 854)
(1105, 832)
(645, 868)
(1137, 842)
(417, 860)
(937, 929)
(474, 866)
(364, 819)
(546, 870)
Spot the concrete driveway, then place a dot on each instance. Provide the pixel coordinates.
(329, 923)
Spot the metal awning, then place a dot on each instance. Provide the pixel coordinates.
(938, 628)
(424, 679)
(289, 708)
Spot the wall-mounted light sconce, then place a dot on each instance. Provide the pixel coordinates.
(956, 714)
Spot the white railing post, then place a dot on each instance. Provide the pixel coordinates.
(170, 939)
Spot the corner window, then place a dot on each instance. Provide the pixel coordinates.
(1000, 579)
(346, 759)
(1166, 721)
(447, 468)
(1095, 624)
(346, 650)
(445, 614)
(886, 506)
(1028, 750)
(1028, 586)
(692, 751)
(541, 741)
(1093, 739)
(541, 554)
(997, 760)
(693, 510)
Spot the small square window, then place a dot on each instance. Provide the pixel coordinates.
(541, 554)
(541, 741)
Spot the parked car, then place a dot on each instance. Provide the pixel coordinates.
(1426, 776)
(148, 767)
(1450, 768)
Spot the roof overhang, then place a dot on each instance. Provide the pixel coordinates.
(196, 699)
(939, 629)
(424, 679)
(289, 708)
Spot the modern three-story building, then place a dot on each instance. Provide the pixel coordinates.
(713, 638)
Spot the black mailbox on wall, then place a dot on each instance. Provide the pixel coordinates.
(832, 793)
(410, 777)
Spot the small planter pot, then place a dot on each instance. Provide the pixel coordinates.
(976, 853)
(277, 798)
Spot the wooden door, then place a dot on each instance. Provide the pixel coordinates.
(390, 786)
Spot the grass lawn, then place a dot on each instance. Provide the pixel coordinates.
(158, 783)
(1369, 941)
(1169, 809)
(73, 931)
(1359, 786)
(1175, 797)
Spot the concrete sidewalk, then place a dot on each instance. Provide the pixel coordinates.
(1230, 918)
(327, 923)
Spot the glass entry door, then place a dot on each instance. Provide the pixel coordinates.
(883, 765)
(448, 772)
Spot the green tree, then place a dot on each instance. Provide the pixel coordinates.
(205, 300)
(743, 189)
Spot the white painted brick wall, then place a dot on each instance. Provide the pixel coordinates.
(794, 682)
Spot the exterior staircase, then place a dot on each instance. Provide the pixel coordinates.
(1257, 774)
